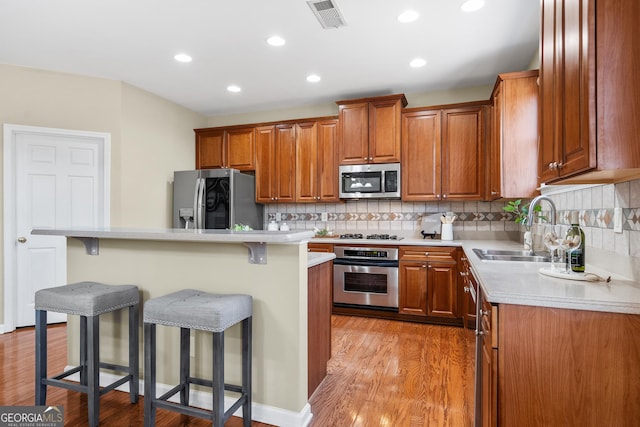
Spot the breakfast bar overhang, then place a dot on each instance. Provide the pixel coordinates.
(164, 261)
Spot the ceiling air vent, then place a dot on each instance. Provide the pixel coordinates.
(327, 13)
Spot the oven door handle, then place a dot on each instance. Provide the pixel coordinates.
(365, 263)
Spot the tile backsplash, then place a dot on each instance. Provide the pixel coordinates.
(595, 205)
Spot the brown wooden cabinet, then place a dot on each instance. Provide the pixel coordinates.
(320, 247)
(275, 163)
(428, 281)
(232, 147)
(369, 129)
(589, 91)
(316, 161)
(513, 142)
(319, 323)
(444, 154)
(488, 364)
(468, 285)
(565, 367)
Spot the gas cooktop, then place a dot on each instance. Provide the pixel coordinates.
(370, 236)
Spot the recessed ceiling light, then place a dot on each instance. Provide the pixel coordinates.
(313, 78)
(276, 41)
(408, 16)
(182, 57)
(234, 88)
(418, 62)
(472, 5)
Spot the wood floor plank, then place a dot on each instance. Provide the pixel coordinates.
(382, 373)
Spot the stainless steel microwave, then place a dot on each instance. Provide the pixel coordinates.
(375, 181)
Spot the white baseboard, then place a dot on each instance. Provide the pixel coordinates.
(202, 399)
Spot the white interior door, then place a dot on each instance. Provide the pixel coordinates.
(59, 183)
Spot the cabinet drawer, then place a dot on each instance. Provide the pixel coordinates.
(428, 253)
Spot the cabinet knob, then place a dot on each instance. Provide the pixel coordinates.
(463, 259)
(484, 312)
(444, 196)
(437, 196)
(424, 266)
(560, 165)
(494, 193)
(466, 289)
(464, 273)
(553, 165)
(426, 254)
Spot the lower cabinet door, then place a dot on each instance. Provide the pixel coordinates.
(442, 295)
(413, 288)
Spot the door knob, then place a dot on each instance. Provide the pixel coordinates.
(22, 239)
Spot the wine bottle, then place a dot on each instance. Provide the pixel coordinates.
(578, 254)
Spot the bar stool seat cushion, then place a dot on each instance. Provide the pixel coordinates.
(194, 309)
(86, 298)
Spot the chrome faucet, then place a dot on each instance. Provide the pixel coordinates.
(535, 202)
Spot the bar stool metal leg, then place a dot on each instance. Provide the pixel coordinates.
(134, 355)
(185, 364)
(218, 379)
(149, 374)
(41, 356)
(246, 369)
(83, 350)
(93, 369)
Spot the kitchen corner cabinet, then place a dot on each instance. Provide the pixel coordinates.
(275, 163)
(369, 129)
(589, 91)
(443, 153)
(428, 281)
(513, 141)
(319, 324)
(316, 161)
(561, 368)
(225, 148)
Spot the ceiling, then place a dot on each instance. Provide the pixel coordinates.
(135, 41)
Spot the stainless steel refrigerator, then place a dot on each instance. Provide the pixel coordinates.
(215, 199)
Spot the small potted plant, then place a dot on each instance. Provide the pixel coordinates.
(521, 213)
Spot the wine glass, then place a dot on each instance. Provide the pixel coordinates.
(552, 241)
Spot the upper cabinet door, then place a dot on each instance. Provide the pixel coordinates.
(421, 165)
(265, 164)
(567, 89)
(384, 130)
(210, 152)
(354, 133)
(306, 162)
(240, 149)
(328, 160)
(285, 163)
(463, 158)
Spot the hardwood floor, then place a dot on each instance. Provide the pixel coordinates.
(391, 373)
(382, 373)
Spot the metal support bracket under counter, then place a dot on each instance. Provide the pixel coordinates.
(255, 240)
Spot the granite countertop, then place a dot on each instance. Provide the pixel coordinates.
(181, 235)
(517, 282)
(317, 258)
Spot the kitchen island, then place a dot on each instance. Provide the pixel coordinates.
(270, 266)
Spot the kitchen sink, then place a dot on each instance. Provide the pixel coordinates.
(503, 255)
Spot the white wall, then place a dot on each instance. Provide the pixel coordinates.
(150, 136)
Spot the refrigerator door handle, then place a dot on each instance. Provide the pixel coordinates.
(198, 204)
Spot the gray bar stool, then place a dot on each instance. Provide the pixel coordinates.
(88, 300)
(190, 309)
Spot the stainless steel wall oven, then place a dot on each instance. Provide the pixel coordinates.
(365, 276)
